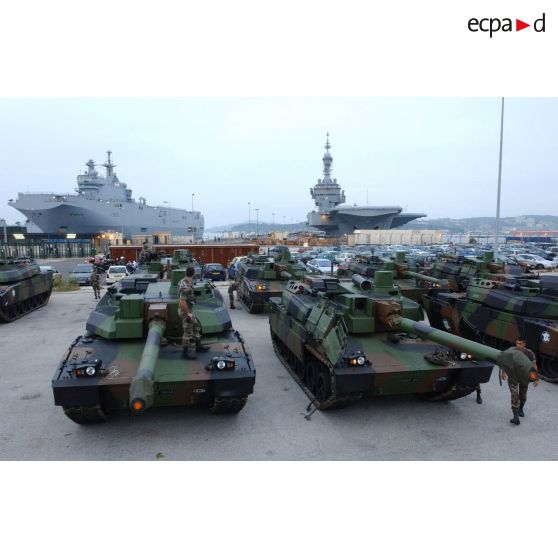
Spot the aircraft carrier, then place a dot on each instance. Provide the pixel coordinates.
(335, 218)
(103, 204)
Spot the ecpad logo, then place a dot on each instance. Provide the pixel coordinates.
(493, 25)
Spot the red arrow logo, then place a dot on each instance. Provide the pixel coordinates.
(519, 25)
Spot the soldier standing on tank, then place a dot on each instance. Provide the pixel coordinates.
(191, 340)
(519, 385)
(96, 283)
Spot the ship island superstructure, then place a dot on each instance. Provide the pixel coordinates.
(105, 204)
(335, 218)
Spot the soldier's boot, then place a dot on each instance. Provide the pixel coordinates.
(187, 355)
(520, 412)
(515, 419)
(479, 398)
(202, 348)
(233, 307)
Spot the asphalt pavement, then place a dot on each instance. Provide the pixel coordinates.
(272, 426)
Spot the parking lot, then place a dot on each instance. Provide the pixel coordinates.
(271, 427)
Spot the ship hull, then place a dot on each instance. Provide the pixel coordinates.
(55, 214)
(346, 221)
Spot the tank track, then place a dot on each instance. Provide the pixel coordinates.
(250, 307)
(321, 401)
(23, 307)
(548, 370)
(93, 414)
(228, 405)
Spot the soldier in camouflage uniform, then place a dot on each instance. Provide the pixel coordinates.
(233, 287)
(190, 324)
(519, 385)
(96, 283)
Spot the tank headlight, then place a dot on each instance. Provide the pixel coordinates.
(361, 360)
(260, 287)
(91, 371)
(463, 356)
(221, 364)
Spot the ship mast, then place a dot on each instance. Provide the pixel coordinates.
(109, 166)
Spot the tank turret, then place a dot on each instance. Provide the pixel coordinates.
(23, 288)
(344, 341)
(412, 283)
(131, 355)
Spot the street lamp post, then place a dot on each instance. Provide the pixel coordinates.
(257, 223)
(497, 231)
(273, 214)
(193, 203)
(248, 215)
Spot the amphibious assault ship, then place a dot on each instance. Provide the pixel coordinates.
(335, 218)
(105, 204)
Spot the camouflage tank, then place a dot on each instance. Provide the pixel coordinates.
(259, 279)
(131, 355)
(458, 272)
(23, 288)
(497, 313)
(341, 344)
(411, 283)
(159, 263)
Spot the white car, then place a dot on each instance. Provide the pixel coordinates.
(47, 268)
(345, 257)
(116, 273)
(320, 265)
(537, 261)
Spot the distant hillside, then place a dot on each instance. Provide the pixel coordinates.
(263, 228)
(487, 224)
(469, 224)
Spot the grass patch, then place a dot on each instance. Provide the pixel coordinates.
(62, 284)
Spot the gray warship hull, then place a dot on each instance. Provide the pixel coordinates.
(56, 214)
(105, 204)
(336, 218)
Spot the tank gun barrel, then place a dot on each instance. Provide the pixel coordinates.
(510, 360)
(141, 388)
(362, 282)
(421, 277)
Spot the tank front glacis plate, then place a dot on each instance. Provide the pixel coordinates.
(177, 381)
(399, 368)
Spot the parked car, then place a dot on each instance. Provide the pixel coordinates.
(320, 265)
(535, 262)
(82, 274)
(344, 257)
(214, 271)
(234, 264)
(46, 268)
(116, 273)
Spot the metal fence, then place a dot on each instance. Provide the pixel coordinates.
(47, 249)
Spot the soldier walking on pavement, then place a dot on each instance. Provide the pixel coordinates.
(191, 340)
(519, 384)
(96, 283)
(233, 287)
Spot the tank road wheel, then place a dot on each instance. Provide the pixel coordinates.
(323, 388)
(227, 405)
(310, 375)
(87, 414)
(549, 369)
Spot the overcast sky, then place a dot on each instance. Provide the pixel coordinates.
(435, 156)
